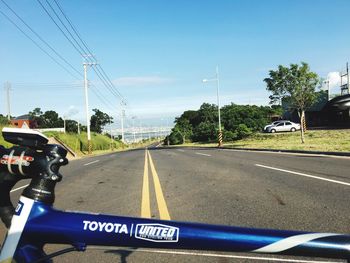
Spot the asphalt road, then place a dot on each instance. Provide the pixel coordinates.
(249, 189)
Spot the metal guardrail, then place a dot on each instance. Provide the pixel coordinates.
(65, 146)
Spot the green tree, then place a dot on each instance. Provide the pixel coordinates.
(243, 131)
(229, 135)
(51, 119)
(254, 117)
(184, 128)
(205, 132)
(208, 113)
(3, 120)
(71, 126)
(36, 116)
(296, 83)
(98, 120)
(175, 137)
(36, 112)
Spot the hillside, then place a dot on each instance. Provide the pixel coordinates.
(78, 142)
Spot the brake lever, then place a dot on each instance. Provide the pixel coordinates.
(7, 210)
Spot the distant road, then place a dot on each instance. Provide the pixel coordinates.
(250, 189)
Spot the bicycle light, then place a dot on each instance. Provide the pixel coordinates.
(25, 137)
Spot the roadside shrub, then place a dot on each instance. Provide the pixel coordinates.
(243, 131)
(175, 138)
(205, 132)
(229, 136)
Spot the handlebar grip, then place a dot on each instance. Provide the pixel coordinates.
(7, 181)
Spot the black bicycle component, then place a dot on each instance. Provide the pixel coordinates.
(37, 161)
(6, 208)
(7, 181)
(25, 137)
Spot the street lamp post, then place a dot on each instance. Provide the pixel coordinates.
(218, 102)
(133, 127)
(328, 88)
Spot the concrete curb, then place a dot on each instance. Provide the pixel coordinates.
(347, 154)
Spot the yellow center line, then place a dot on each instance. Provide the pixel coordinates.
(162, 207)
(145, 202)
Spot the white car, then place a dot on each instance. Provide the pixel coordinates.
(272, 124)
(283, 126)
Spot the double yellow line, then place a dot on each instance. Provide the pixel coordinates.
(145, 203)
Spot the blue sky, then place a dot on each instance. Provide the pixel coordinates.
(157, 52)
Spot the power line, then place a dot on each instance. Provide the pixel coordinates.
(51, 85)
(79, 49)
(65, 35)
(47, 85)
(99, 68)
(105, 101)
(120, 95)
(35, 43)
(38, 36)
(103, 80)
(68, 31)
(71, 25)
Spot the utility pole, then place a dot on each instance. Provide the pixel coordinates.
(78, 127)
(347, 74)
(345, 89)
(140, 129)
(218, 102)
(218, 98)
(133, 127)
(122, 119)
(85, 64)
(122, 123)
(7, 87)
(328, 88)
(110, 126)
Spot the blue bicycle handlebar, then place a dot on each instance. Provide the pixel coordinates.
(82, 230)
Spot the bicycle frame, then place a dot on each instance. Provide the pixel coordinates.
(36, 224)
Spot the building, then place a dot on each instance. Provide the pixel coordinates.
(24, 121)
(337, 111)
(324, 113)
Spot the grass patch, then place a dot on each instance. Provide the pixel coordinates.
(315, 140)
(78, 142)
(2, 141)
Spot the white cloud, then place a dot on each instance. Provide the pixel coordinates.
(141, 81)
(334, 79)
(72, 110)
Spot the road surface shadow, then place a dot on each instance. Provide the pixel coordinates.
(123, 253)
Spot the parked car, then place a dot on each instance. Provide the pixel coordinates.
(272, 124)
(283, 126)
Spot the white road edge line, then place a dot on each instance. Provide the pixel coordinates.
(180, 150)
(185, 253)
(204, 154)
(96, 161)
(289, 153)
(19, 188)
(302, 174)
